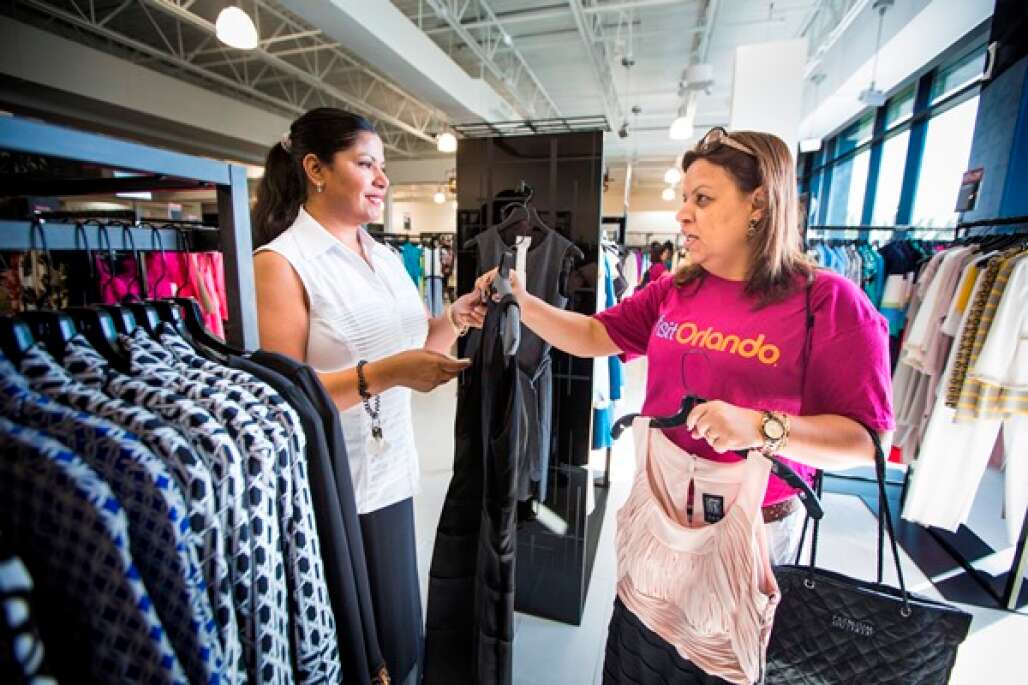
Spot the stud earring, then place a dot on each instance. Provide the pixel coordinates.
(752, 230)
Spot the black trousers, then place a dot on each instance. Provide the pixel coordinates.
(391, 554)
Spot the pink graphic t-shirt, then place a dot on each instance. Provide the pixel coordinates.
(708, 339)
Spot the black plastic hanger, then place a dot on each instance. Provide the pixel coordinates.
(197, 329)
(15, 338)
(511, 330)
(54, 329)
(146, 315)
(124, 320)
(778, 467)
(98, 327)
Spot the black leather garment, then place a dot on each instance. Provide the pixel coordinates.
(335, 508)
(470, 622)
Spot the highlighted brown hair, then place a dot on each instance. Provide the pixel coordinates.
(779, 263)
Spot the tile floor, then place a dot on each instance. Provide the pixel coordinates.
(548, 652)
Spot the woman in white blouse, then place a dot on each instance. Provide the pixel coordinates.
(332, 297)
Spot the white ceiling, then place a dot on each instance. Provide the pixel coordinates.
(553, 70)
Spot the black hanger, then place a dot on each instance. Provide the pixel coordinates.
(54, 329)
(171, 313)
(197, 329)
(15, 338)
(124, 320)
(98, 327)
(146, 315)
(778, 467)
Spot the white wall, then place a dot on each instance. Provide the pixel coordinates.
(426, 216)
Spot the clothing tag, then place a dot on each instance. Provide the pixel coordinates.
(522, 243)
(713, 508)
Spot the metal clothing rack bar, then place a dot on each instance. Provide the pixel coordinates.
(17, 236)
(158, 168)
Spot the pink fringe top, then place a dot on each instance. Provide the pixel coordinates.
(706, 588)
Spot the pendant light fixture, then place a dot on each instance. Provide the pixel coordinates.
(672, 176)
(682, 126)
(235, 28)
(668, 194)
(439, 197)
(446, 142)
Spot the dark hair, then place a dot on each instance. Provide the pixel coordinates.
(776, 242)
(321, 132)
(656, 251)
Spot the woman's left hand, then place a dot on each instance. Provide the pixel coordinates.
(725, 427)
(469, 310)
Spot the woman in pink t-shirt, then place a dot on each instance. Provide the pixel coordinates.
(731, 327)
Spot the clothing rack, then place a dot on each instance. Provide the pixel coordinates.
(117, 235)
(155, 169)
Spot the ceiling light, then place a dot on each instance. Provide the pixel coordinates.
(668, 194)
(235, 29)
(810, 145)
(506, 39)
(681, 128)
(672, 176)
(446, 142)
(439, 197)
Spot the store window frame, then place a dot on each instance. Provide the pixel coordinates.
(817, 178)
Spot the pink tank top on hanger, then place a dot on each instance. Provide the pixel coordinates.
(703, 584)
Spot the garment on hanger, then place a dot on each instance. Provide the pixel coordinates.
(968, 413)
(111, 630)
(153, 500)
(22, 653)
(342, 545)
(672, 539)
(469, 629)
(411, 255)
(547, 265)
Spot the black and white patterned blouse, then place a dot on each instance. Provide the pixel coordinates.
(158, 523)
(22, 654)
(311, 618)
(314, 625)
(46, 376)
(58, 507)
(258, 590)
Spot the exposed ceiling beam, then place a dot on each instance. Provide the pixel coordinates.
(590, 29)
(556, 12)
(509, 69)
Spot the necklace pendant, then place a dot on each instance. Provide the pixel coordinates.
(376, 442)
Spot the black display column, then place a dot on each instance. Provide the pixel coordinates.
(556, 550)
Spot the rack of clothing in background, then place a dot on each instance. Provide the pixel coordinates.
(958, 326)
(79, 261)
(961, 394)
(608, 388)
(883, 264)
(429, 260)
(185, 510)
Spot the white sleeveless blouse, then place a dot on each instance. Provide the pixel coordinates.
(361, 312)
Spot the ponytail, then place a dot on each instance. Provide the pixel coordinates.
(322, 132)
(279, 196)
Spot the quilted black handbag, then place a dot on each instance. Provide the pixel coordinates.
(830, 628)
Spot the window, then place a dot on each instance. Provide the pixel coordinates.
(961, 73)
(900, 107)
(846, 199)
(890, 179)
(947, 150)
(855, 136)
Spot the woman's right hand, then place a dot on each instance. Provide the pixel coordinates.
(484, 284)
(424, 370)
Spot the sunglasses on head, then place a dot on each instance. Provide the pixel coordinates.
(717, 137)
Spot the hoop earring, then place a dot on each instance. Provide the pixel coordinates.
(752, 230)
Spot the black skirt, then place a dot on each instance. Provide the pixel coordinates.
(393, 574)
(638, 656)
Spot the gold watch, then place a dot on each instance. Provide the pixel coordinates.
(774, 427)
